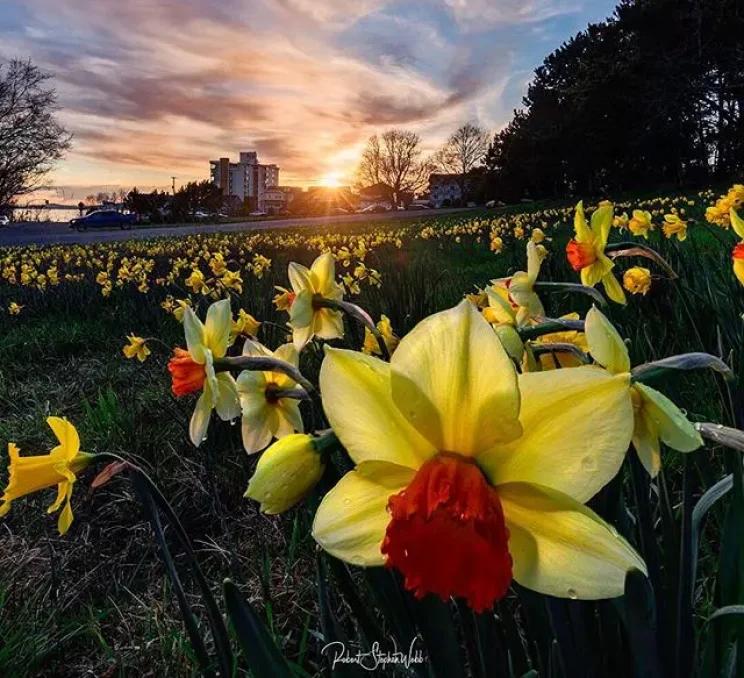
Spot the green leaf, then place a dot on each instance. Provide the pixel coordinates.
(704, 504)
(686, 361)
(726, 610)
(262, 655)
(572, 287)
(723, 435)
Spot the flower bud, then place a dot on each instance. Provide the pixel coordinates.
(285, 473)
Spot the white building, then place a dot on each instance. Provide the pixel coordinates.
(444, 190)
(247, 180)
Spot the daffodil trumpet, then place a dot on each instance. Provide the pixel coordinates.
(358, 314)
(262, 364)
(684, 361)
(634, 249)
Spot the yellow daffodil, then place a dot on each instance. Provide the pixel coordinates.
(737, 255)
(244, 325)
(586, 252)
(283, 300)
(193, 369)
(537, 235)
(309, 285)
(15, 308)
(197, 283)
(59, 467)
(267, 413)
(637, 280)
(285, 473)
(655, 416)
(640, 224)
(673, 225)
(136, 348)
(468, 475)
(371, 346)
(232, 281)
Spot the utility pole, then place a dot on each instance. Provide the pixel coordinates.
(173, 179)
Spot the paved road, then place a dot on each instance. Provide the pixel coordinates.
(52, 233)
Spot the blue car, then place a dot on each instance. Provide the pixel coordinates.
(103, 219)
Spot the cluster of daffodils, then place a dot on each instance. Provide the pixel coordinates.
(474, 441)
(719, 213)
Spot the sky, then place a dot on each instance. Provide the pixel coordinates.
(156, 88)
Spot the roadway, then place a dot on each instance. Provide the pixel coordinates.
(50, 233)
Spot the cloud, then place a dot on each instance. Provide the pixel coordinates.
(152, 88)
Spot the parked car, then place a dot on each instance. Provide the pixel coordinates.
(258, 214)
(4, 220)
(419, 206)
(103, 219)
(374, 209)
(201, 215)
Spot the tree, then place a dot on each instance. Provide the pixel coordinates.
(464, 151)
(31, 139)
(394, 158)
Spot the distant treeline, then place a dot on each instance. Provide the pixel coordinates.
(652, 96)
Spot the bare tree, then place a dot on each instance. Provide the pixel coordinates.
(31, 140)
(464, 151)
(394, 158)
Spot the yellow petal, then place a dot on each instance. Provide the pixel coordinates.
(301, 312)
(592, 274)
(66, 517)
(739, 270)
(583, 234)
(324, 272)
(605, 343)
(577, 427)
(200, 419)
(226, 400)
(357, 401)
(675, 430)
(602, 223)
(613, 289)
(499, 310)
(329, 324)
(453, 381)
(299, 278)
(217, 327)
(737, 223)
(195, 335)
(561, 548)
(646, 443)
(351, 520)
(66, 434)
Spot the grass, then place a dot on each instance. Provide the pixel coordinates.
(96, 601)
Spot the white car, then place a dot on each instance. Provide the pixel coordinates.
(4, 220)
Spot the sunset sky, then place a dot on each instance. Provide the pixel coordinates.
(152, 88)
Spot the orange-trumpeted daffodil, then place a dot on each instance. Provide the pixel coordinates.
(309, 285)
(586, 252)
(737, 255)
(193, 369)
(267, 412)
(468, 476)
(656, 417)
(59, 467)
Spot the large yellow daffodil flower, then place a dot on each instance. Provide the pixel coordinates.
(59, 467)
(586, 252)
(655, 416)
(193, 369)
(267, 413)
(467, 474)
(306, 318)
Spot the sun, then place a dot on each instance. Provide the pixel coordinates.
(331, 180)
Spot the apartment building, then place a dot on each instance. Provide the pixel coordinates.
(248, 180)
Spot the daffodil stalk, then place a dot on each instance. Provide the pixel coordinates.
(684, 361)
(548, 326)
(634, 249)
(358, 314)
(263, 364)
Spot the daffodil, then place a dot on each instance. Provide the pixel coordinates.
(737, 255)
(640, 223)
(59, 467)
(193, 369)
(656, 418)
(310, 285)
(244, 325)
(385, 328)
(267, 411)
(674, 225)
(285, 473)
(15, 308)
(637, 280)
(586, 252)
(467, 475)
(136, 348)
